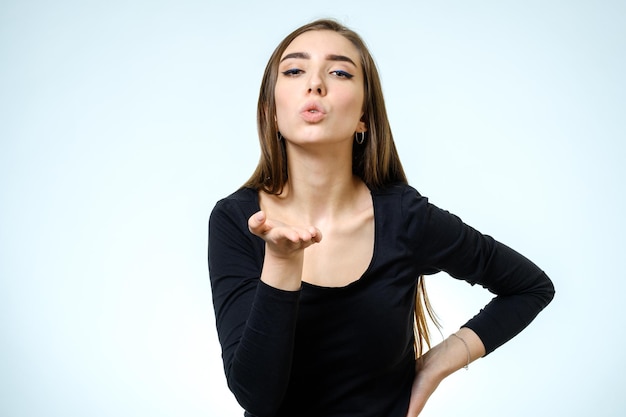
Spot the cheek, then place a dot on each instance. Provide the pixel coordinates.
(280, 106)
(281, 99)
(353, 103)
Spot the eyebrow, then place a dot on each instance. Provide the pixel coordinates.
(331, 57)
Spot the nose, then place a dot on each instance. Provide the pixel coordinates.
(316, 85)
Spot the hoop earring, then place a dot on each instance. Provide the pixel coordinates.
(359, 137)
(279, 136)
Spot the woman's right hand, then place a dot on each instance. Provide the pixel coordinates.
(284, 250)
(282, 240)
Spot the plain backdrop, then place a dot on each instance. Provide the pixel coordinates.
(123, 122)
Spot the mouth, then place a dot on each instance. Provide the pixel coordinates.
(312, 116)
(312, 113)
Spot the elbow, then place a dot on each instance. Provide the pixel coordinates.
(255, 405)
(544, 290)
(256, 399)
(549, 289)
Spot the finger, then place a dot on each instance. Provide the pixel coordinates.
(298, 237)
(420, 393)
(416, 405)
(305, 237)
(256, 223)
(283, 236)
(316, 234)
(311, 235)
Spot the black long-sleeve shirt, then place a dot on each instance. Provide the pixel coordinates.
(348, 351)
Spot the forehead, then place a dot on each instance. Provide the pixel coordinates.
(323, 42)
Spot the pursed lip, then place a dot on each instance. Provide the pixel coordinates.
(312, 112)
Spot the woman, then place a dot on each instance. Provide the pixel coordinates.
(316, 262)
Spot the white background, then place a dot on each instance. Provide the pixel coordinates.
(123, 122)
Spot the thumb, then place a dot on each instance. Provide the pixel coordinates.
(256, 221)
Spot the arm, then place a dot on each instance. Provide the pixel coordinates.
(522, 291)
(441, 361)
(255, 320)
(284, 253)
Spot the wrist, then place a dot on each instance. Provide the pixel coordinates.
(283, 272)
(434, 365)
(454, 353)
(467, 349)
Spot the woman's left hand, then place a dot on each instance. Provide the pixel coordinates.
(424, 384)
(440, 361)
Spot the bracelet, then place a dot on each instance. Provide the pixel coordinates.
(466, 367)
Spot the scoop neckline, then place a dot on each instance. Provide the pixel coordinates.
(363, 276)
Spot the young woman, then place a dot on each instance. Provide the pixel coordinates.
(316, 262)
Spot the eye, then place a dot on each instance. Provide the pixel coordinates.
(342, 74)
(292, 72)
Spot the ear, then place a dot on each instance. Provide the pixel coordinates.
(361, 127)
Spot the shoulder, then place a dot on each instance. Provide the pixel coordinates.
(243, 195)
(235, 209)
(244, 198)
(399, 196)
(396, 189)
(413, 212)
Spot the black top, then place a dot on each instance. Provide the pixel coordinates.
(348, 351)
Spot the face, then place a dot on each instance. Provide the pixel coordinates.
(319, 91)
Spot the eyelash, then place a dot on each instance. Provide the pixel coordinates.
(296, 71)
(343, 74)
(292, 72)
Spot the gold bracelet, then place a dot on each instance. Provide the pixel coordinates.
(466, 367)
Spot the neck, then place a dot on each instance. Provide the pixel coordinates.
(321, 186)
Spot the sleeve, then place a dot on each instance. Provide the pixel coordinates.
(255, 322)
(447, 244)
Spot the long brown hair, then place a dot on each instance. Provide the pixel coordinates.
(376, 162)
